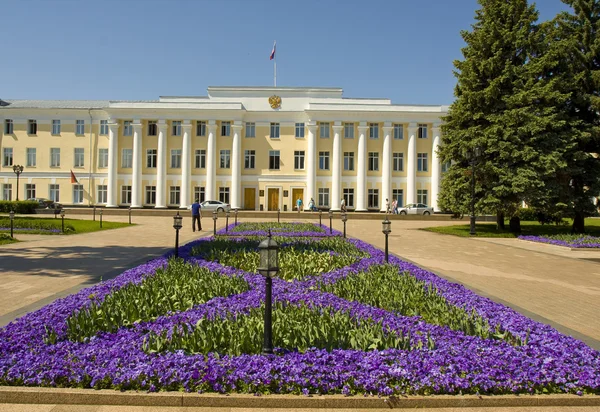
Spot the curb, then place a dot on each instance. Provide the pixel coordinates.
(30, 395)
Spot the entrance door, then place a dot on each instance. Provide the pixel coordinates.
(297, 194)
(273, 199)
(249, 198)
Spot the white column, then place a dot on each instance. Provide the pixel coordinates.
(211, 166)
(435, 168)
(361, 170)
(411, 165)
(236, 166)
(136, 178)
(161, 166)
(311, 169)
(113, 154)
(386, 170)
(336, 177)
(186, 170)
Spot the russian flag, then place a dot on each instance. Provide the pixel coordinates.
(273, 51)
(73, 178)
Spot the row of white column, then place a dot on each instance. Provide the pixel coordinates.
(235, 198)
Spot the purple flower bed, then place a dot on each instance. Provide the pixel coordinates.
(580, 242)
(459, 363)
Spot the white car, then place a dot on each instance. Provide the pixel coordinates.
(210, 205)
(415, 209)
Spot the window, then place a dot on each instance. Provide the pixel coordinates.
(102, 192)
(225, 128)
(422, 196)
(79, 157)
(176, 128)
(31, 157)
(152, 128)
(199, 193)
(398, 194)
(9, 126)
(7, 191)
(32, 126)
(127, 158)
(200, 128)
(422, 131)
(323, 196)
(349, 196)
(7, 156)
(373, 201)
(55, 157)
(200, 159)
(274, 159)
(127, 128)
(55, 127)
(249, 159)
(274, 130)
(175, 158)
(54, 193)
(103, 127)
(398, 131)
(398, 162)
(225, 159)
(174, 195)
(324, 130)
(77, 193)
(250, 129)
(126, 195)
(299, 159)
(373, 131)
(348, 131)
(446, 166)
(224, 194)
(150, 195)
(79, 126)
(30, 191)
(299, 130)
(348, 160)
(324, 160)
(373, 161)
(151, 159)
(421, 162)
(102, 157)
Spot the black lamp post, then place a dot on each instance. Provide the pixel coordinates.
(387, 229)
(177, 223)
(129, 214)
(344, 219)
(18, 169)
(226, 222)
(235, 212)
(278, 213)
(320, 214)
(215, 222)
(100, 217)
(62, 218)
(12, 218)
(330, 219)
(94, 213)
(473, 155)
(269, 264)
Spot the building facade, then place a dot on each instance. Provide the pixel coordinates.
(257, 148)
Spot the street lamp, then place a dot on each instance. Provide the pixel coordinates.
(226, 222)
(12, 218)
(278, 213)
(177, 219)
(94, 213)
(344, 219)
(62, 218)
(101, 218)
(129, 214)
(387, 229)
(330, 218)
(235, 212)
(215, 222)
(473, 155)
(320, 214)
(18, 169)
(269, 264)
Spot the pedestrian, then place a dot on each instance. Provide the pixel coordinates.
(387, 206)
(299, 204)
(196, 215)
(394, 207)
(343, 205)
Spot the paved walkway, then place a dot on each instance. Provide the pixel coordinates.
(547, 283)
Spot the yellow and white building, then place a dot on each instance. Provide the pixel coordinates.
(253, 147)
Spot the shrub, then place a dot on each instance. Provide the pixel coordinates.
(21, 206)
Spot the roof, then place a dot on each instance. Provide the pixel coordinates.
(56, 104)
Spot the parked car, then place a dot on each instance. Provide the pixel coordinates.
(210, 205)
(415, 209)
(46, 205)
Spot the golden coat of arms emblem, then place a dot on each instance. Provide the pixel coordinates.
(275, 102)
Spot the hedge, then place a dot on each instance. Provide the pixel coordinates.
(20, 206)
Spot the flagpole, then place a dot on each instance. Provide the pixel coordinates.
(275, 70)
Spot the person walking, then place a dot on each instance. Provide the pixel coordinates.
(394, 207)
(299, 204)
(343, 205)
(196, 216)
(387, 206)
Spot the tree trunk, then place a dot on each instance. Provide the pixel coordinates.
(500, 221)
(578, 223)
(515, 224)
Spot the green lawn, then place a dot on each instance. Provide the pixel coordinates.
(488, 229)
(6, 239)
(52, 226)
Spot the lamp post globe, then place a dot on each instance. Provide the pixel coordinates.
(386, 229)
(177, 224)
(269, 264)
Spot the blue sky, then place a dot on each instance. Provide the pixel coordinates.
(141, 49)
